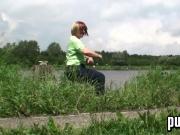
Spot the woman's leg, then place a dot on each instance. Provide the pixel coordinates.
(95, 77)
(71, 72)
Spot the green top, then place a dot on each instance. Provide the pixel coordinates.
(74, 54)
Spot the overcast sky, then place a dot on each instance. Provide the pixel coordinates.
(138, 26)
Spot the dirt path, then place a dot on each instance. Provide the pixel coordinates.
(80, 120)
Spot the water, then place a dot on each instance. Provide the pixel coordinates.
(114, 78)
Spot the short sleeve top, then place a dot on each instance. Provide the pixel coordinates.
(74, 54)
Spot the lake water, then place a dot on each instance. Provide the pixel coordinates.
(114, 78)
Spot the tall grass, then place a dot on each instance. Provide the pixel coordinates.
(26, 96)
(157, 88)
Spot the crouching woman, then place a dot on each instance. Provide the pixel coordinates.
(77, 56)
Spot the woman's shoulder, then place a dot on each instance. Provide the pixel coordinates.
(74, 39)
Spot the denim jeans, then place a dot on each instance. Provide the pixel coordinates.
(77, 73)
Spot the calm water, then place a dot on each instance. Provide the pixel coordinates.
(114, 78)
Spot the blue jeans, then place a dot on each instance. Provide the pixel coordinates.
(76, 73)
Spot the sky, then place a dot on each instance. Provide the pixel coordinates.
(149, 27)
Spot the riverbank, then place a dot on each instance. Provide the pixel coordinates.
(27, 96)
(130, 67)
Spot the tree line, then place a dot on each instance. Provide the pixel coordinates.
(28, 53)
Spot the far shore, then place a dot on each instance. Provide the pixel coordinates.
(108, 67)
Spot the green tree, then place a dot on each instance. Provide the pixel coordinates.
(55, 54)
(6, 53)
(119, 58)
(26, 52)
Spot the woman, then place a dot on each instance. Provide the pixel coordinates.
(78, 55)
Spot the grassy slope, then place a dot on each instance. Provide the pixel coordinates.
(25, 96)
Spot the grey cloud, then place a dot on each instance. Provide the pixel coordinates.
(49, 22)
(154, 49)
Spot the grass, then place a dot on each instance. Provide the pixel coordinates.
(145, 124)
(26, 96)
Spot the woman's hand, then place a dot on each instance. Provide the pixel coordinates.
(90, 60)
(100, 56)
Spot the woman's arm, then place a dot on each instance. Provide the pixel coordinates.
(91, 53)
